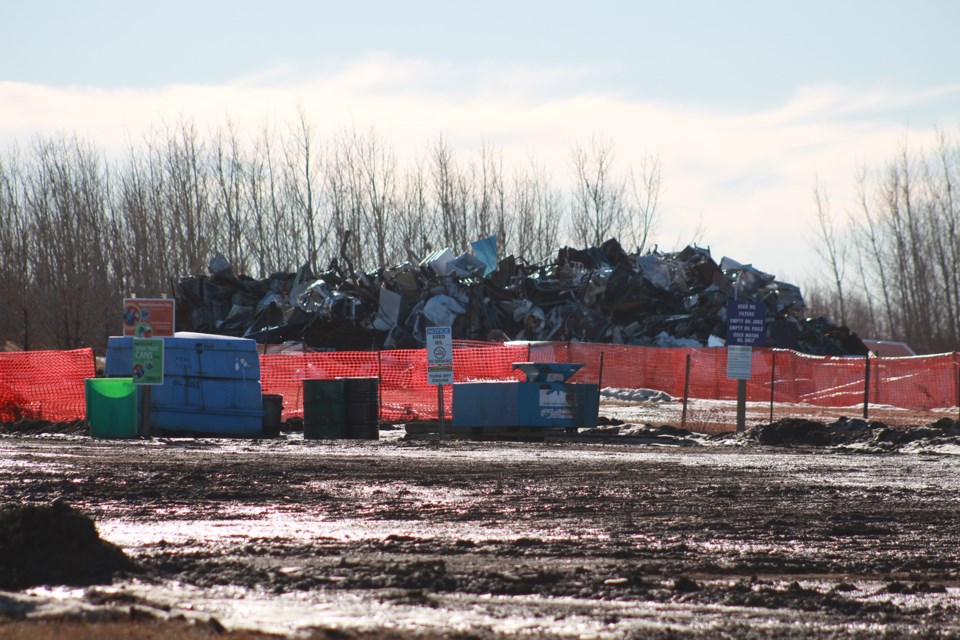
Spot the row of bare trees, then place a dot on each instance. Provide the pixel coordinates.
(77, 232)
(895, 260)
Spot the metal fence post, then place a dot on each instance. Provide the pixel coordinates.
(600, 380)
(956, 366)
(866, 388)
(773, 379)
(686, 394)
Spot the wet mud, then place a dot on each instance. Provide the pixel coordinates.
(720, 537)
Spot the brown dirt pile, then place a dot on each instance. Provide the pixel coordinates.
(54, 544)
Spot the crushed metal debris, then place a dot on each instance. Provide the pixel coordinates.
(598, 294)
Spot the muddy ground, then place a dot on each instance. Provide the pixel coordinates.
(659, 535)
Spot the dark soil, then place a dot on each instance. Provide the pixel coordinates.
(802, 539)
(54, 545)
(29, 426)
(853, 431)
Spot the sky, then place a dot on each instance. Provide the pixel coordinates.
(746, 104)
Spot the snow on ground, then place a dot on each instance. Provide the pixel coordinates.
(636, 395)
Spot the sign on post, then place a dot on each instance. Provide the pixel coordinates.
(746, 323)
(148, 317)
(746, 328)
(739, 362)
(439, 355)
(147, 361)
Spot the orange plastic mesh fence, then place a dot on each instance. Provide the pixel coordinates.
(922, 382)
(404, 391)
(44, 385)
(49, 385)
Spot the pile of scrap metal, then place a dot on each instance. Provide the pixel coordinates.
(600, 294)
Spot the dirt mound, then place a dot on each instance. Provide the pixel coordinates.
(644, 433)
(799, 431)
(867, 436)
(55, 544)
(940, 432)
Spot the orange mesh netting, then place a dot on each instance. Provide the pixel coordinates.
(44, 385)
(921, 382)
(49, 385)
(404, 391)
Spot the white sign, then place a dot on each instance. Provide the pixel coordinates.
(439, 355)
(739, 362)
(557, 403)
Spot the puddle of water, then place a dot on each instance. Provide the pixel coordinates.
(259, 523)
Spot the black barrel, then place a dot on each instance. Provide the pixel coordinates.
(363, 408)
(272, 413)
(324, 409)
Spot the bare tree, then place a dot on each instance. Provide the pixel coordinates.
(537, 214)
(871, 251)
(644, 218)
(67, 198)
(487, 198)
(230, 204)
(186, 201)
(15, 267)
(449, 191)
(379, 171)
(832, 245)
(344, 200)
(598, 208)
(941, 183)
(304, 185)
(415, 227)
(904, 232)
(277, 226)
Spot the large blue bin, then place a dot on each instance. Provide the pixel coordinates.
(556, 405)
(211, 385)
(191, 355)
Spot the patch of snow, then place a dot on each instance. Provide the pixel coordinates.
(637, 395)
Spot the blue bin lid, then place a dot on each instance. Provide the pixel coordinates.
(548, 371)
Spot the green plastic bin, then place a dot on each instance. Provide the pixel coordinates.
(112, 407)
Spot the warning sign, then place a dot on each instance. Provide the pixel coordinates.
(439, 355)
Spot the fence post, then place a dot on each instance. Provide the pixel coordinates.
(773, 379)
(956, 366)
(380, 384)
(866, 388)
(600, 380)
(686, 393)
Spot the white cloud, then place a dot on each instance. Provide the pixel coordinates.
(746, 176)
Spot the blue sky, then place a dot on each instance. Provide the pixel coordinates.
(745, 102)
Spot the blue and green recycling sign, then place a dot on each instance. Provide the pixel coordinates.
(147, 361)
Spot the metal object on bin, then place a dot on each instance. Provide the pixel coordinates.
(548, 371)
